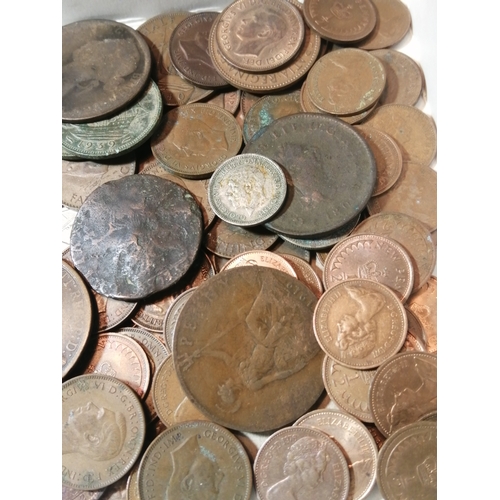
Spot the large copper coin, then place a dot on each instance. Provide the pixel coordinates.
(245, 351)
(105, 64)
(330, 170)
(136, 236)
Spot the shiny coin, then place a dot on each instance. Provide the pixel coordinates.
(247, 190)
(103, 431)
(305, 273)
(261, 258)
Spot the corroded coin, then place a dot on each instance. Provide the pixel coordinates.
(259, 35)
(103, 431)
(330, 170)
(118, 135)
(247, 190)
(193, 140)
(261, 258)
(76, 317)
(136, 236)
(403, 390)
(407, 466)
(195, 460)
(244, 349)
(300, 463)
(360, 323)
(105, 64)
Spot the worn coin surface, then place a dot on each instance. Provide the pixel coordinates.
(71, 494)
(244, 349)
(305, 273)
(136, 236)
(172, 315)
(195, 460)
(360, 323)
(301, 463)
(403, 390)
(261, 258)
(105, 64)
(247, 190)
(103, 430)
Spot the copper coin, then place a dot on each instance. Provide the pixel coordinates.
(102, 433)
(244, 349)
(177, 91)
(300, 462)
(407, 466)
(360, 323)
(136, 236)
(105, 65)
(261, 258)
(76, 317)
(172, 316)
(285, 247)
(195, 460)
(330, 172)
(411, 234)
(372, 257)
(193, 140)
(305, 273)
(347, 21)
(229, 100)
(403, 390)
(416, 328)
(189, 50)
(259, 35)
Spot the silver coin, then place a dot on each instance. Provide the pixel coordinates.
(247, 190)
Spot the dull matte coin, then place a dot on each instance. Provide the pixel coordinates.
(105, 65)
(261, 258)
(136, 236)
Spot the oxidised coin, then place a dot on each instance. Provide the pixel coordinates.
(261, 258)
(247, 190)
(136, 236)
(244, 349)
(105, 64)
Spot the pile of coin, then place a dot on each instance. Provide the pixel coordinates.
(249, 305)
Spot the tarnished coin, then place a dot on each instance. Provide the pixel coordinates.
(346, 81)
(132, 484)
(136, 236)
(305, 273)
(285, 247)
(195, 139)
(80, 178)
(118, 135)
(348, 21)
(176, 91)
(195, 460)
(244, 349)
(76, 317)
(121, 357)
(330, 172)
(261, 258)
(105, 65)
(71, 494)
(300, 462)
(259, 35)
(103, 431)
(349, 388)
(403, 390)
(372, 257)
(247, 190)
(407, 466)
(229, 100)
(360, 323)
(355, 442)
(172, 315)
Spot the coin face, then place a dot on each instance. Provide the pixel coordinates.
(244, 349)
(103, 431)
(136, 236)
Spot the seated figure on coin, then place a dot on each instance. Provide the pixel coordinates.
(97, 433)
(304, 467)
(195, 476)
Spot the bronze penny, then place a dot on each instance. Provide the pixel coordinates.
(244, 349)
(330, 172)
(176, 91)
(360, 323)
(248, 100)
(229, 100)
(416, 328)
(195, 460)
(301, 463)
(136, 236)
(259, 35)
(261, 258)
(285, 247)
(105, 65)
(305, 273)
(403, 390)
(172, 315)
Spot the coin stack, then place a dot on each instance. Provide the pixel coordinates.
(249, 289)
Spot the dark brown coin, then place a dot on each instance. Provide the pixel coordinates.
(136, 236)
(330, 171)
(244, 349)
(105, 64)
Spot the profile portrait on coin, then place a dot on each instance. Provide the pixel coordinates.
(95, 432)
(195, 476)
(304, 467)
(196, 49)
